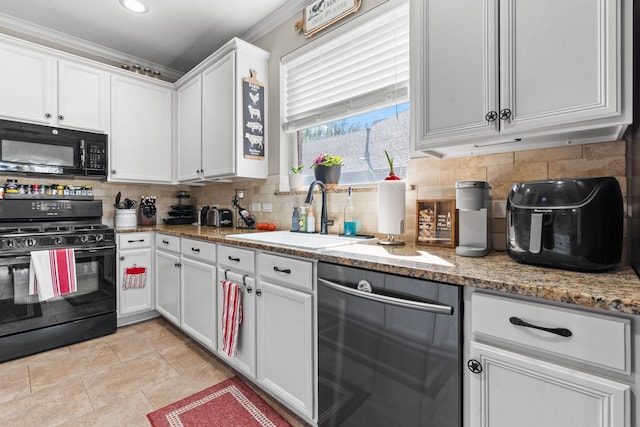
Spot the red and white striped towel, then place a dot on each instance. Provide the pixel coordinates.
(231, 316)
(52, 273)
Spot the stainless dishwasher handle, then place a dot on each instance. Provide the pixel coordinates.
(424, 306)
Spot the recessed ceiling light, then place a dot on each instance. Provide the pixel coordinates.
(134, 5)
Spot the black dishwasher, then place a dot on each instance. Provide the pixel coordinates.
(389, 350)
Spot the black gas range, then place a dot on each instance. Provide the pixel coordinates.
(28, 324)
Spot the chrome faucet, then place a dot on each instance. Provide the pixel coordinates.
(323, 213)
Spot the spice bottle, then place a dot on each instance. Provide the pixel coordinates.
(295, 220)
(311, 220)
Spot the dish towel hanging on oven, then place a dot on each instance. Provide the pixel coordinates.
(231, 316)
(134, 278)
(52, 273)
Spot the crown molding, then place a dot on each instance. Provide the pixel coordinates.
(286, 11)
(58, 40)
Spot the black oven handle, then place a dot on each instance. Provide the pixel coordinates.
(24, 259)
(431, 308)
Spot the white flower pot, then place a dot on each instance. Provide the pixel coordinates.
(296, 181)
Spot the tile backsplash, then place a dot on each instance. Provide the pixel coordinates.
(428, 178)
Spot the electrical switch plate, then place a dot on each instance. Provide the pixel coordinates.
(499, 209)
(255, 207)
(266, 207)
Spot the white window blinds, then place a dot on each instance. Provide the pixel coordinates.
(364, 68)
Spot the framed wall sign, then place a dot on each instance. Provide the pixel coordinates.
(436, 222)
(322, 13)
(253, 123)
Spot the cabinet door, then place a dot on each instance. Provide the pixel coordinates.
(168, 286)
(559, 61)
(284, 344)
(454, 80)
(137, 298)
(198, 301)
(27, 86)
(83, 97)
(516, 390)
(189, 130)
(245, 358)
(218, 118)
(140, 140)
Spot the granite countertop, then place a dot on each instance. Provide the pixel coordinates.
(615, 290)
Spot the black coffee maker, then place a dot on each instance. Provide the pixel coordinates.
(575, 224)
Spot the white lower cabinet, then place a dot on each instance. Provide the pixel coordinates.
(198, 291)
(135, 278)
(528, 366)
(167, 271)
(517, 390)
(244, 359)
(284, 333)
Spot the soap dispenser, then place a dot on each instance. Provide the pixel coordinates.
(349, 216)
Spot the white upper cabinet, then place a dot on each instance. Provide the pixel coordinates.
(140, 139)
(40, 88)
(509, 75)
(218, 127)
(189, 128)
(83, 97)
(213, 142)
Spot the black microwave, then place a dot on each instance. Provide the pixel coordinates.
(42, 150)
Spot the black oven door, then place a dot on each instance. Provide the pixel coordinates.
(95, 296)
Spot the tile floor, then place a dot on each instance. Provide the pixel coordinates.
(110, 381)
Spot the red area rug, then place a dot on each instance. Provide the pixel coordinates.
(231, 403)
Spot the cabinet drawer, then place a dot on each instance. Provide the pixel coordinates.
(294, 272)
(198, 249)
(134, 240)
(598, 340)
(169, 243)
(240, 260)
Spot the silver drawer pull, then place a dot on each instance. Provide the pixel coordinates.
(558, 331)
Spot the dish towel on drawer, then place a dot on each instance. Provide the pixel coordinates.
(52, 273)
(231, 316)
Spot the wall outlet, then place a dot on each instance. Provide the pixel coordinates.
(499, 209)
(255, 207)
(266, 207)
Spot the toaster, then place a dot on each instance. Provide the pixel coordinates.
(575, 224)
(220, 217)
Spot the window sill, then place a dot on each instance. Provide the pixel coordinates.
(355, 188)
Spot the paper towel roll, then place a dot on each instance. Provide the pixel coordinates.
(391, 207)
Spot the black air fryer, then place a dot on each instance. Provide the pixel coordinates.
(573, 224)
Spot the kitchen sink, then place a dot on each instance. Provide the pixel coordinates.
(299, 240)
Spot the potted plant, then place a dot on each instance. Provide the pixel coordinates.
(327, 168)
(296, 179)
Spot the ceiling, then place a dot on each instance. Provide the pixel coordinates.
(173, 34)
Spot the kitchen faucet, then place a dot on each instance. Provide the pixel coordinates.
(323, 214)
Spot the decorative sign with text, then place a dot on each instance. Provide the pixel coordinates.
(436, 222)
(322, 13)
(253, 120)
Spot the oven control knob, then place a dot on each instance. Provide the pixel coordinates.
(57, 240)
(30, 242)
(11, 243)
(84, 238)
(99, 237)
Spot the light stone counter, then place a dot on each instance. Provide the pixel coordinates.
(616, 290)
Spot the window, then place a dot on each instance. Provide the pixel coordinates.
(347, 94)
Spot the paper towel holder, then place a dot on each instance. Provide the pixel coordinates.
(391, 240)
